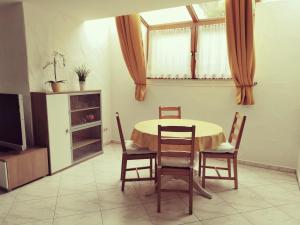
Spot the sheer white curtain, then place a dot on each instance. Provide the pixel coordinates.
(169, 53)
(212, 59)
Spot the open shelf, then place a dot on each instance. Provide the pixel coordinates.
(85, 116)
(86, 151)
(82, 102)
(85, 126)
(81, 143)
(86, 141)
(85, 109)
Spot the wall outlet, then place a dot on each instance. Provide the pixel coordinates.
(105, 129)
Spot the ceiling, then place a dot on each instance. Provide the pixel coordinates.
(93, 9)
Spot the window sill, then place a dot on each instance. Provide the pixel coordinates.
(191, 82)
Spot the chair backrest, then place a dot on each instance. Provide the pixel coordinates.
(189, 140)
(237, 129)
(121, 132)
(176, 110)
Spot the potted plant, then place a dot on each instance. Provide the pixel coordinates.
(82, 72)
(55, 84)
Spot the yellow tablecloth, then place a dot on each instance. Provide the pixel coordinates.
(208, 135)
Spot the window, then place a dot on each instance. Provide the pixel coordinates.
(187, 42)
(169, 53)
(165, 16)
(211, 57)
(210, 10)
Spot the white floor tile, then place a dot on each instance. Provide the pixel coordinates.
(68, 205)
(227, 220)
(86, 219)
(90, 193)
(31, 212)
(133, 215)
(6, 202)
(293, 210)
(270, 216)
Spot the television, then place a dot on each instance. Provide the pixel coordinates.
(12, 124)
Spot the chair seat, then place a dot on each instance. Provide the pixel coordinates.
(133, 149)
(130, 145)
(175, 162)
(225, 147)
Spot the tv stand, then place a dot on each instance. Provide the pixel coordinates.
(19, 168)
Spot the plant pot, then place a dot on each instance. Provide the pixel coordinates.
(55, 87)
(82, 85)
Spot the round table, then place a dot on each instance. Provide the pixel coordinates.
(208, 135)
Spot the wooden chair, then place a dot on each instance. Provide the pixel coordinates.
(228, 151)
(133, 152)
(177, 110)
(176, 163)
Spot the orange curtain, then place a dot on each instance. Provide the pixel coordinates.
(130, 36)
(239, 24)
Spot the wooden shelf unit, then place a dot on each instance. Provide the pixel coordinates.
(69, 124)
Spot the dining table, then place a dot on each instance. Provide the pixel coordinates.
(207, 137)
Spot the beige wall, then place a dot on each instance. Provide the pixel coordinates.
(272, 133)
(13, 58)
(81, 42)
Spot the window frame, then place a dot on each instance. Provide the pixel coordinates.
(194, 25)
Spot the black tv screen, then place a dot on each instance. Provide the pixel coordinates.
(12, 132)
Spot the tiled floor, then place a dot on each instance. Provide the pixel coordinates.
(89, 194)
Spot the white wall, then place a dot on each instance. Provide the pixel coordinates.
(13, 58)
(271, 134)
(81, 42)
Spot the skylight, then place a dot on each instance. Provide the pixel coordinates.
(164, 16)
(210, 10)
(214, 9)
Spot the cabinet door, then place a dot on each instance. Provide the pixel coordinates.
(59, 131)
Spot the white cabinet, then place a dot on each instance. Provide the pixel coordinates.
(69, 124)
(59, 131)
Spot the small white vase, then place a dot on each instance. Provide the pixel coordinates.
(82, 85)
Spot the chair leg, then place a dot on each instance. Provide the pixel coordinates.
(203, 171)
(158, 190)
(124, 173)
(229, 167)
(200, 159)
(151, 168)
(235, 173)
(191, 192)
(122, 167)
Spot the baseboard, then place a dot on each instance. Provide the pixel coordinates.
(107, 142)
(267, 166)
